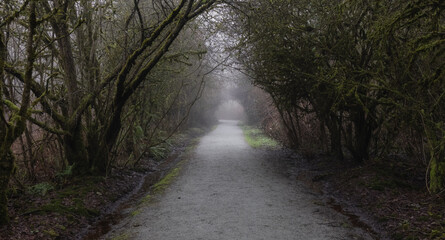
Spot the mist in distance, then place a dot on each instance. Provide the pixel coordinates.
(230, 110)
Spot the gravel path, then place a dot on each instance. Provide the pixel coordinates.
(228, 190)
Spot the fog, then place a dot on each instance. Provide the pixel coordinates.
(230, 110)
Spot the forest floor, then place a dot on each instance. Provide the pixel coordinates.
(388, 197)
(86, 207)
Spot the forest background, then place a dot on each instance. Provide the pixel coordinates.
(90, 86)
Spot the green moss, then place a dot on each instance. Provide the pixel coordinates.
(437, 175)
(61, 227)
(147, 199)
(135, 213)
(41, 188)
(81, 189)
(56, 206)
(123, 236)
(435, 215)
(166, 181)
(437, 234)
(405, 225)
(257, 139)
(51, 232)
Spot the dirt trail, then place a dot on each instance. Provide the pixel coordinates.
(228, 190)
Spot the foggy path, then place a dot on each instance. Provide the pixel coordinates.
(228, 190)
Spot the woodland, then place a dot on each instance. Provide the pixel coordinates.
(88, 87)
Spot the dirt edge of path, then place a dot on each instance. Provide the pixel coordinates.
(86, 208)
(388, 198)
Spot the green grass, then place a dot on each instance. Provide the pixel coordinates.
(256, 138)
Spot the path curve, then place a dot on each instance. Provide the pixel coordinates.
(228, 190)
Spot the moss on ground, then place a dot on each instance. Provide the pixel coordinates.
(147, 198)
(135, 212)
(75, 194)
(56, 206)
(123, 236)
(51, 233)
(160, 186)
(256, 138)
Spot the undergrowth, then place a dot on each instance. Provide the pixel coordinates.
(256, 138)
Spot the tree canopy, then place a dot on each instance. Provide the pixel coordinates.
(371, 72)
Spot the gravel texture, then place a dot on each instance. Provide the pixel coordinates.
(227, 190)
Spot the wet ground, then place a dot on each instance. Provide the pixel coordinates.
(227, 190)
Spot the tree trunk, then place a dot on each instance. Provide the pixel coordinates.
(74, 144)
(12, 129)
(436, 147)
(75, 151)
(125, 88)
(334, 127)
(437, 174)
(363, 127)
(5, 153)
(6, 167)
(101, 160)
(66, 55)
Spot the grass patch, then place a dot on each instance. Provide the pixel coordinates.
(147, 198)
(256, 138)
(135, 213)
(160, 186)
(51, 233)
(157, 188)
(123, 236)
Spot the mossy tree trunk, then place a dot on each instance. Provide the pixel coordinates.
(80, 96)
(435, 136)
(11, 129)
(437, 174)
(125, 88)
(74, 142)
(6, 168)
(76, 151)
(125, 81)
(5, 162)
